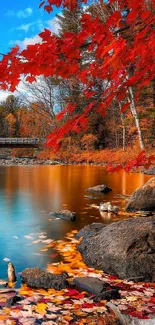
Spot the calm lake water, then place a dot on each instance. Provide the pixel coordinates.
(28, 194)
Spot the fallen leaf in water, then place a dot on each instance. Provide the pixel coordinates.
(41, 308)
(25, 321)
(47, 241)
(28, 237)
(37, 241)
(5, 259)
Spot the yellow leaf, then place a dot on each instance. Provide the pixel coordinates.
(131, 298)
(41, 308)
(3, 317)
(25, 293)
(67, 318)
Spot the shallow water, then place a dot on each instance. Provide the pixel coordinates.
(29, 193)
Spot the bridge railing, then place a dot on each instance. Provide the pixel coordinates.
(19, 140)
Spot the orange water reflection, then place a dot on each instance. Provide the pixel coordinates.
(55, 187)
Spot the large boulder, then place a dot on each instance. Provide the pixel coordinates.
(37, 278)
(90, 230)
(125, 248)
(143, 199)
(100, 189)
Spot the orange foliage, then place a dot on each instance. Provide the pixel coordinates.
(34, 122)
(105, 157)
(11, 123)
(22, 152)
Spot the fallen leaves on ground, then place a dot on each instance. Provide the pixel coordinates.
(72, 306)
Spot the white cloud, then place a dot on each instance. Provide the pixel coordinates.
(27, 41)
(53, 25)
(21, 13)
(25, 13)
(33, 25)
(24, 27)
(4, 95)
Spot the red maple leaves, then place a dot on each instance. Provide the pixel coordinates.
(123, 48)
(70, 4)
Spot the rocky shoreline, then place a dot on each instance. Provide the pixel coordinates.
(28, 162)
(35, 161)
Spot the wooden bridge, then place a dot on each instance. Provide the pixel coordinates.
(21, 142)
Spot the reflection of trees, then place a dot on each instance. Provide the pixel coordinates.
(51, 188)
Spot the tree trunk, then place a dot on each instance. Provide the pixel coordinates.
(123, 127)
(135, 115)
(153, 90)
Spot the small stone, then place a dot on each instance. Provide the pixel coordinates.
(100, 188)
(91, 284)
(108, 207)
(37, 278)
(64, 214)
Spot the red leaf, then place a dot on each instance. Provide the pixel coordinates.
(41, 4)
(124, 107)
(48, 9)
(30, 79)
(87, 305)
(72, 292)
(45, 34)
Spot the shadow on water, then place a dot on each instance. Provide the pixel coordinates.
(29, 193)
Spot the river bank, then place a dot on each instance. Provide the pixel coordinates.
(48, 162)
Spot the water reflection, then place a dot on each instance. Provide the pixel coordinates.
(28, 194)
(106, 216)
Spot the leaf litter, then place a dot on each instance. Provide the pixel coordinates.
(72, 306)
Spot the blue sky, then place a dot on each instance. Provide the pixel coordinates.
(21, 21)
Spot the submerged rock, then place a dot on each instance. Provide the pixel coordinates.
(90, 197)
(108, 295)
(102, 290)
(100, 188)
(124, 248)
(108, 207)
(91, 284)
(37, 278)
(143, 199)
(64, 214)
